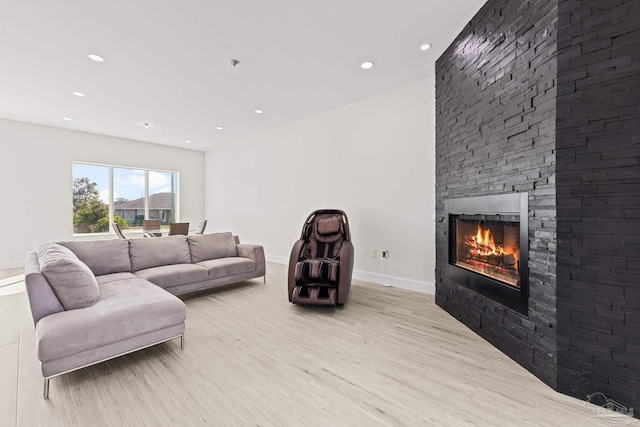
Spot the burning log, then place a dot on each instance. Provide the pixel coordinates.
(494, 260)
(509, 260)
(485, 250)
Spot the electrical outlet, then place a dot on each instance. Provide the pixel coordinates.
(374, 253)
(385, 254)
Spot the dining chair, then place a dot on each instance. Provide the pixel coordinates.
(201, 226)
(151, 224)
(118, 231)
(179, 228)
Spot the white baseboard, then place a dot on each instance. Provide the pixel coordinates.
(396, 282)
(7, 265)
(277, 259)
(381, 279)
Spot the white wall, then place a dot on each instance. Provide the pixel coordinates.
(35, 172)
(374, 159)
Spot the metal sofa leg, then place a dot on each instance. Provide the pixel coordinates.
(182, 342)
(46, 387)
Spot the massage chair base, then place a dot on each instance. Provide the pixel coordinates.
(314, 295)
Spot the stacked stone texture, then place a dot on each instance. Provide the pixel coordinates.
(495, 134)
(598, 199)
(544, 97)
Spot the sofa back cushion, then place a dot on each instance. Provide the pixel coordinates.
(211, 246)
(42, 300)
(71, 280)
(157, 251)
(102, 256)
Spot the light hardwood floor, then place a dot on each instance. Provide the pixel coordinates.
(389, 357)
(10, 272)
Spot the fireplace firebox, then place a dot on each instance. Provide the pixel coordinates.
(488, 247)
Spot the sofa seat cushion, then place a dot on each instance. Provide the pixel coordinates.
(114, 277)
(71, 280)
(126, 309)
(224, 267)
(102, 256)
(211, 246)
(167, 276)
(158, 251)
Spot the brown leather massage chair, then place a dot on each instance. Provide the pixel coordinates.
(321, 261)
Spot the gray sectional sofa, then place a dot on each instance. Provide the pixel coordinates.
(95, 300)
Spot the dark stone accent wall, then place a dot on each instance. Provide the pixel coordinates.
(495, 134)
(598, 199)
(544, 97)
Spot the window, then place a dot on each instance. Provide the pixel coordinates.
(103, 194)
(90, 198)
(129, 196)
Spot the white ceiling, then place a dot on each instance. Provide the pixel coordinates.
(168, 62)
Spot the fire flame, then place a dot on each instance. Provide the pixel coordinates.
(484, 245)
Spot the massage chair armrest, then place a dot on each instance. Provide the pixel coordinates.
(296, 252)
(346, 270)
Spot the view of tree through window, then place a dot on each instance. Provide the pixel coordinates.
(90, 211)
(136, 194)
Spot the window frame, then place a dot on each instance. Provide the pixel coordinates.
(146, 194)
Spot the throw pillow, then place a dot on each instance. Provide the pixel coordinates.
(72, 281)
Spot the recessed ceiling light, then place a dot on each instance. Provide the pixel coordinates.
(188, 141)
(219, 128)
(367, 65)
(96, 57)
(259, 111)
(79, 94)
(425, 46)
(67, 119)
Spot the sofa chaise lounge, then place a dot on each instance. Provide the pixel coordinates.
(95, 300)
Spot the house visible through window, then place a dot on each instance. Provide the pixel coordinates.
(104, 194)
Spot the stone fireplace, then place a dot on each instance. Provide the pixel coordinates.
(485, 252)
(536, 101)
(495, 161)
